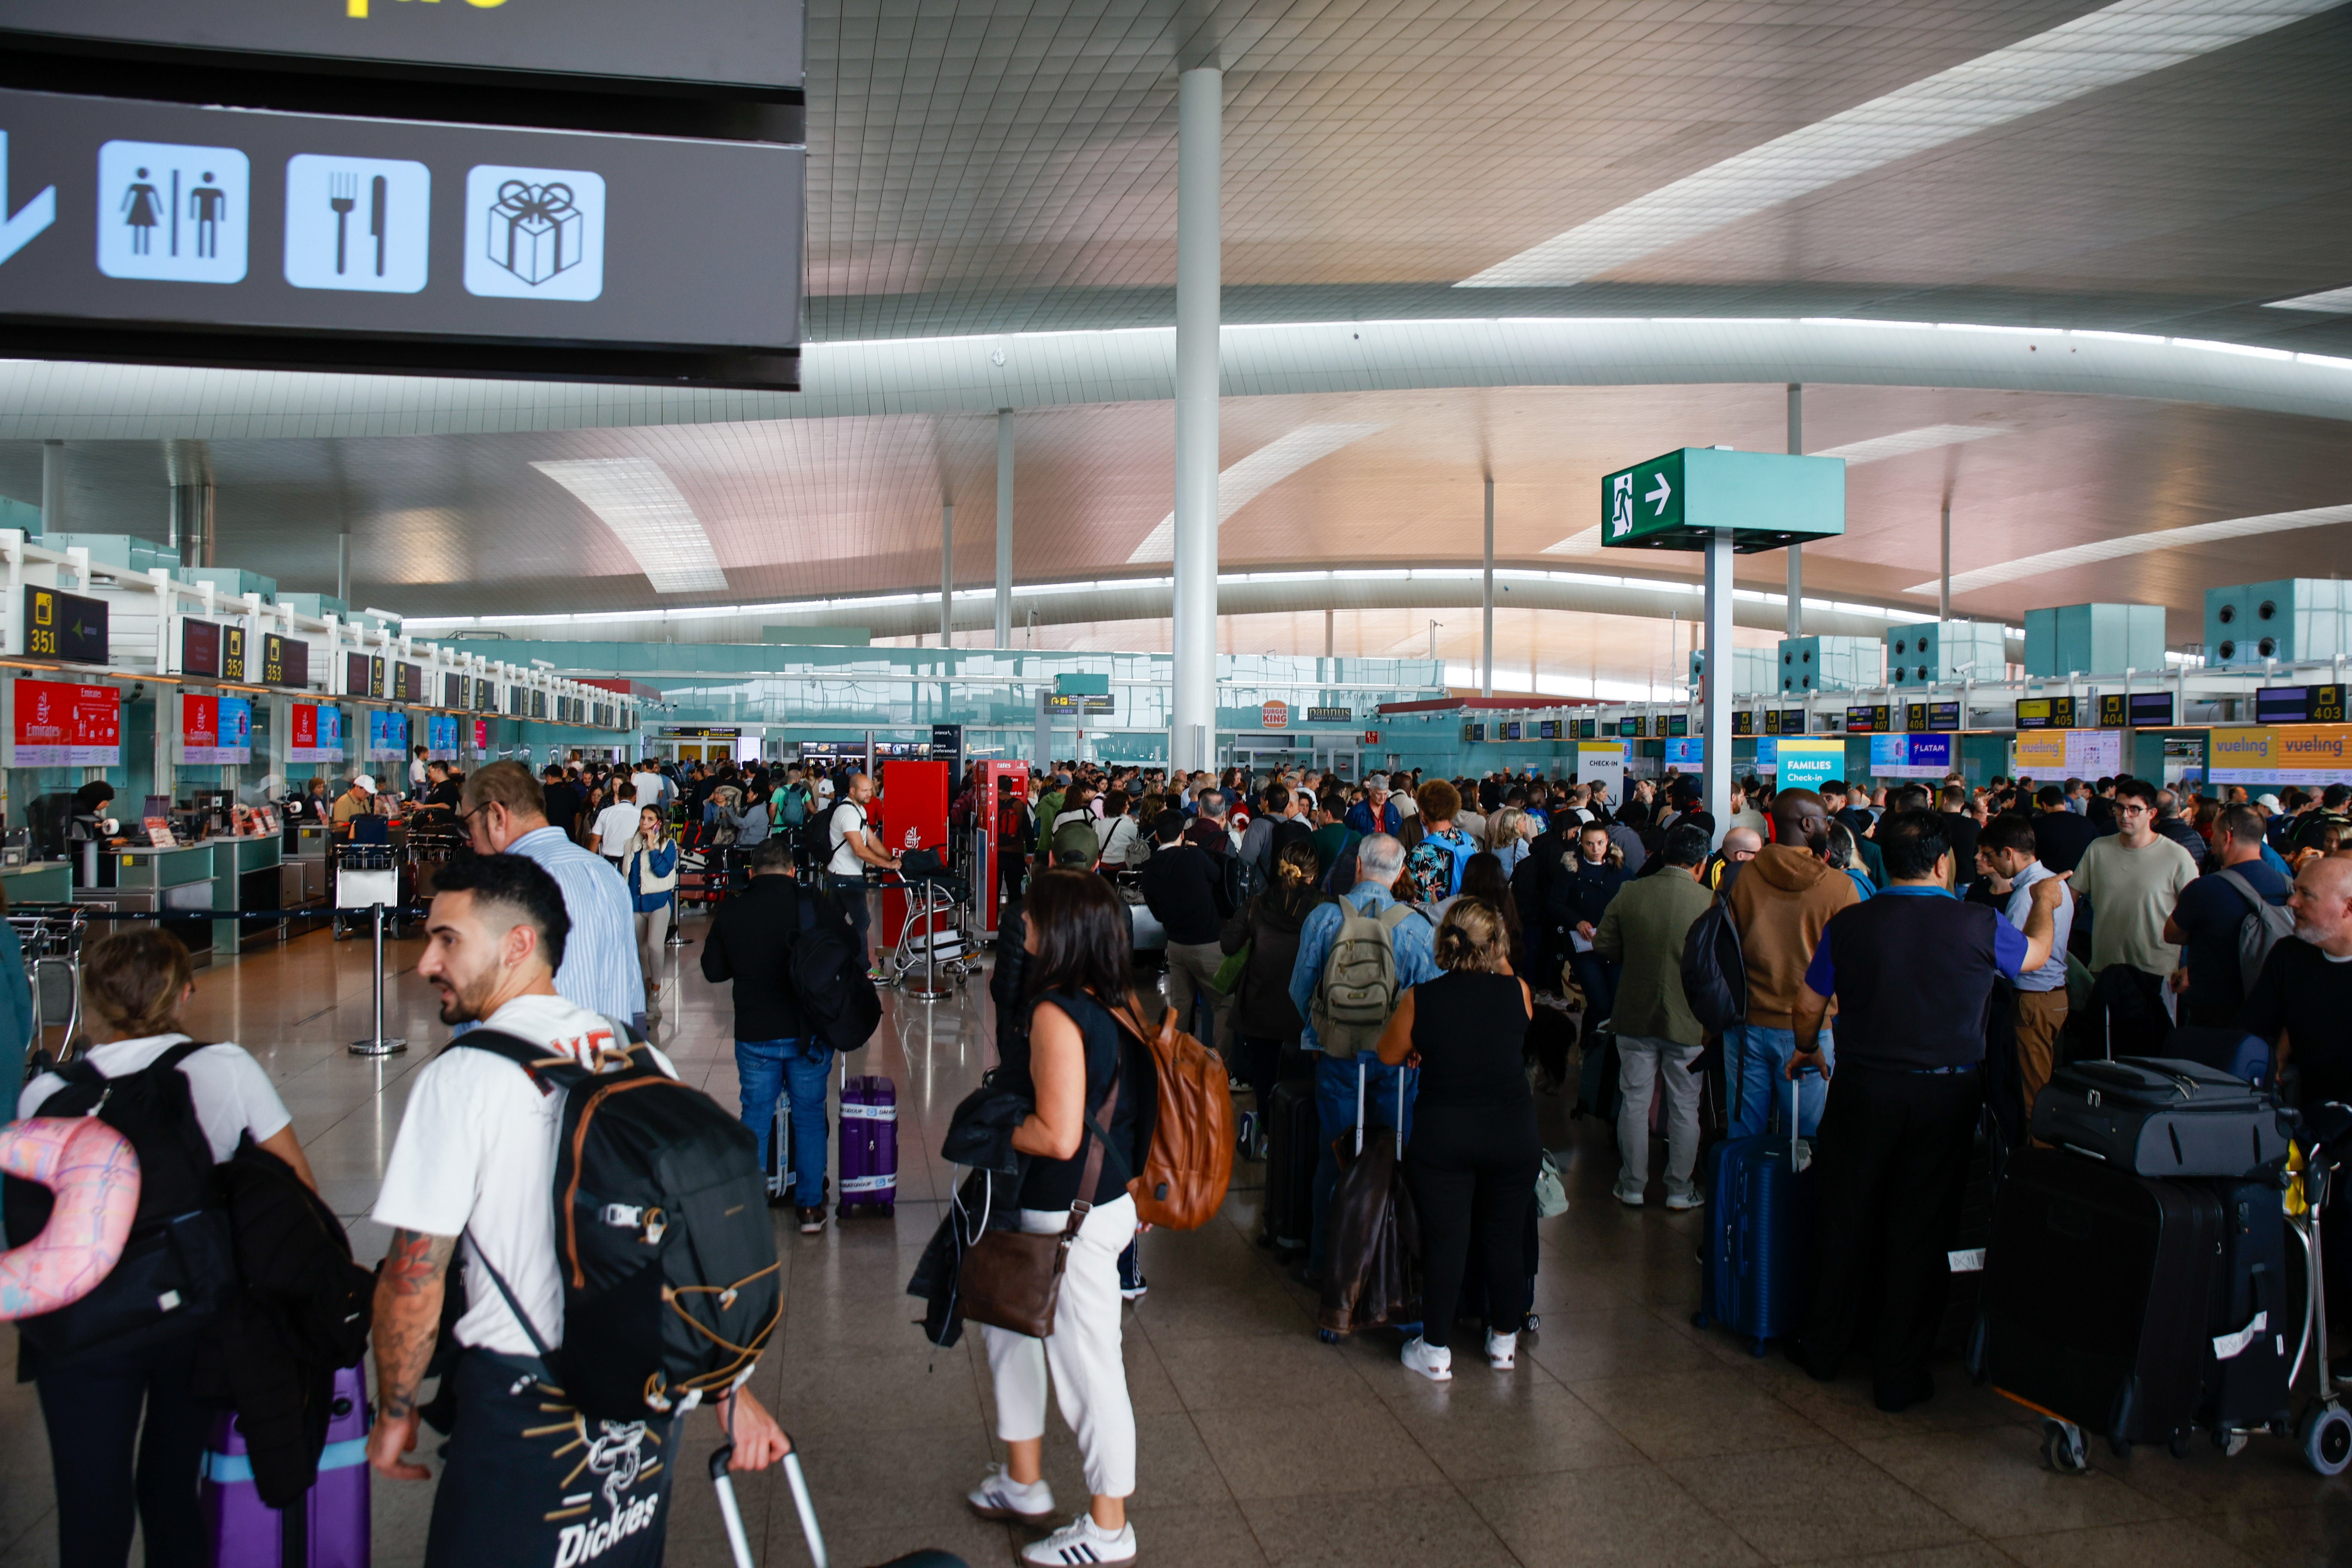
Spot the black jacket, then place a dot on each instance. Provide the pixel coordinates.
(1185, 891)
(2061, 836)
(751, 937)
(1269, 926)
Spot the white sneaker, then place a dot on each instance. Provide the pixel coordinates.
(1431, 1362)
(1502, 1351)
(1683, 1202)
(1082, 1541)
(1001, 1497)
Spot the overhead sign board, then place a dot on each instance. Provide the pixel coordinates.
(1330, 715)
(66, 626)
(752, 43)
(2070, 753)
(2298, 705)
(1919, 756)
(2314, 756)
(2045, 713)
(161, 231)
(2146, 710)
(1679, 500)
(1807, 764)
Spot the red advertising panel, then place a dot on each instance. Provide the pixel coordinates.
(199, 727)
(910, 814)
(63, 724)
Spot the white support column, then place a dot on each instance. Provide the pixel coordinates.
(946, 574)
(1944, 580)
(1718, 682)
(53, 488)
(1004, 527)
(1796, 552)
(1200, 110)
(1486, 600)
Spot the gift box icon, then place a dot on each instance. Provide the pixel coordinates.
(535, 229)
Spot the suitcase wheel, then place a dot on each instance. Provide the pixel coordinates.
(2328, 1438)
(1331, 1337)
(2178, 1447)
(2062, 1449)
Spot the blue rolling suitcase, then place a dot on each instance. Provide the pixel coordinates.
(1759, 1206)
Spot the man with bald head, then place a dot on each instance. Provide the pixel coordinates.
(1780, 904)
(2302, 1004)
(1740, 845)
(856, 846)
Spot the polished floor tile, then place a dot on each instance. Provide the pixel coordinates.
(1623, 1437)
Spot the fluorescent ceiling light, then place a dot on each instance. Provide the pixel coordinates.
(1903, 443)
(2334, 301)
(1253, 476)
(2110, 46)
(645, 512)
(2140, 544)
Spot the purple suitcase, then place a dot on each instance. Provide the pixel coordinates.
(870, 1144)
(246, 1533)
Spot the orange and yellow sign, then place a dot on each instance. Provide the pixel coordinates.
(2302, 754)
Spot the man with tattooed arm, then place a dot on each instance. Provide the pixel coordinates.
(528, 1481)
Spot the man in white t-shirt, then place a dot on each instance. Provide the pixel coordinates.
(856, 846)
(476, 1159)
(614, 825)
(651, 787)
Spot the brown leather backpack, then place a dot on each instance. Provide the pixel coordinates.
(1191, 1160)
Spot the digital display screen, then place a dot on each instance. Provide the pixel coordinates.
(64, 627)
(1869, 720)
(2299, 705)
(285, 661)
(200, 649)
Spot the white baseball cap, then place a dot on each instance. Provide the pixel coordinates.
(365, 781)
(2269, 803)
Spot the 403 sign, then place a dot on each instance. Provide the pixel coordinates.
(64, 627)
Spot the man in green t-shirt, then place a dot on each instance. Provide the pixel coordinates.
(2129, 881)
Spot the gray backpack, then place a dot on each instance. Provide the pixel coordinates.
(1359, 991)
(2264, 924)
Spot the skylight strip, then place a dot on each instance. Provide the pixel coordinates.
(2140, 544)
(2115, 43)
(645, 512)
(1253, 476)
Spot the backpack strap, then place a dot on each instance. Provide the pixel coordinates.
(1395, 915)
(547, 1071)
(507, 1291)
(2254, 900)
(81, 1073)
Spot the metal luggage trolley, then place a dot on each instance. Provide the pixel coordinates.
(434, 839)
(51, 936)
(936, 935)
(365, 875)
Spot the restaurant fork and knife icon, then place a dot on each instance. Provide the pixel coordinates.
(342, 196)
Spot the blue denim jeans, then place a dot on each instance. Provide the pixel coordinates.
(1756, 1065)
(769, 1070)
(1387, 1105)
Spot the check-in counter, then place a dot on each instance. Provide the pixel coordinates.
(145, 879)
(38, 882)
(246, 876)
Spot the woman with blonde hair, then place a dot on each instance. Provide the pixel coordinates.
(1475, 1151)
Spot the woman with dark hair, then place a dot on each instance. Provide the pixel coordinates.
(1484, 878)
(1095, 1090)
(1475, 1151)
(1264, 1019)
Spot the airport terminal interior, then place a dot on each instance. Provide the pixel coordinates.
(1753, 445)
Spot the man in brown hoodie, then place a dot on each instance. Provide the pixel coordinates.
(1781, 903)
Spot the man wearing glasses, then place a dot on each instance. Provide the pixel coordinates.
(2129, 883)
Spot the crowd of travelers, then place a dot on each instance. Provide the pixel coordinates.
(1393, 953)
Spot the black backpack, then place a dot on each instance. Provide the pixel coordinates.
(1714, 970)
(825, 967)
(177, 1266)
(816, 834)
(1244, 879)
(662, 1237)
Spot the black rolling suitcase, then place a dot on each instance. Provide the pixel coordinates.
(1972, 1240)
(1294, 1139)
(2098, 1295)
(2256, 1313)
(2161, 1116)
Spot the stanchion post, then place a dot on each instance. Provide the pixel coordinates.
(379, 1046)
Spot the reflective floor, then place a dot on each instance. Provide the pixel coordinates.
(1624, 1436)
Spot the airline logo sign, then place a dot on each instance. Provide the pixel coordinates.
(1274, 715)
(2314, 754)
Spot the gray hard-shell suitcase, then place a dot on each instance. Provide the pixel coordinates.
(2162, 1117)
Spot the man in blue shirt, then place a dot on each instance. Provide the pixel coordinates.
(505, 813)
(2006, 853)
(1378, 858)
(2212, 912)
(1913, 972)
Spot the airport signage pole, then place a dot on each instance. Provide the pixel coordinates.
(1004, 529)
(1199, 108)
(1721, 502)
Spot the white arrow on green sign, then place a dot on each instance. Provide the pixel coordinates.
(1765, 499)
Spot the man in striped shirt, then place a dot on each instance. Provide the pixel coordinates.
(505, 813)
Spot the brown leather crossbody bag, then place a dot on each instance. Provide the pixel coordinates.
(1013, 1279)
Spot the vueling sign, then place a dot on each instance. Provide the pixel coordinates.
(358, 9)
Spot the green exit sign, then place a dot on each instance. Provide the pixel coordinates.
(1764, 500)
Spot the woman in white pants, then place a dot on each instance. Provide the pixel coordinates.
(650, 867)
(1092, 1083)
